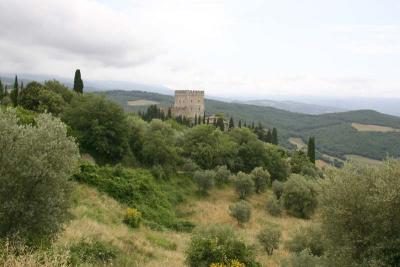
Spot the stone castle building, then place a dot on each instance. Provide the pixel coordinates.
(188, 103)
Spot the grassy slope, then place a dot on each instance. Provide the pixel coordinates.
(333, 132)
(97, 216)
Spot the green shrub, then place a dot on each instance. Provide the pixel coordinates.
(310, 238)
(274, 207)
(222, 175)
(94, 252)
(244, 185)
(303, 259)
(132, 217)
(269, 237)
(299, 196)
(205, 180)
(36, 164)
(241, 211)
(218, 244)
(158, 172)
(261, 179)
(137, 188)
(161, 242)
(277, 188)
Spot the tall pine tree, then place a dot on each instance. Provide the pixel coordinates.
(2, 93)
(311, 149)
(15, 92)
(78, 83)
(274, 136)
(231, 124)
(240, 124)
(204, 118)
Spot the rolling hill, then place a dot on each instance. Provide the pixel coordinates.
(334, 133)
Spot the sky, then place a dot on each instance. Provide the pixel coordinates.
(228, 48)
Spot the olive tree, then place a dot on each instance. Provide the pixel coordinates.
(205, 180)
(261, 179)
(244, 185)
(241, 211)
(269, 237)
(36, 162)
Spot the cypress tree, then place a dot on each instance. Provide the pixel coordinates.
(220, 124)
(208, 120)
(195, 119)
(204, 118)
(169, 114)
(269, 136)
(1, 90)
(252, 125)
(231, 124)
(199, 120)
(5, 90)
(16, 82)
(274, 136)
(240, 124)
(78, 83)
(245, 125)
(311, 149)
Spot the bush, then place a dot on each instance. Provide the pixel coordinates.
(218, 244)
(307, 238)
(35, 168)
(132, 217)
(92, 252)
(244, 185)
(261, 179)
(100, 127)
(269, 237)
(303, 259)
(360, 214)
(204, 180)
(222, 175)
(241, 211)
(277, 188)
(274, 207)
(299, 196)
(158, 172)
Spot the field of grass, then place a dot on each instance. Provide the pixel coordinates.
(142, 102)
(363, 160)
(373, 128)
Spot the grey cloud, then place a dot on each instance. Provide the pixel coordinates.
(74, 28)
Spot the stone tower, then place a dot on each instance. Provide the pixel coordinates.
(188, 103)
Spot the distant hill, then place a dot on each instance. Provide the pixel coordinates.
(334, 133)
(293, 106)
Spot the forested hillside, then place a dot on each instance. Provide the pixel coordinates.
(333, 132)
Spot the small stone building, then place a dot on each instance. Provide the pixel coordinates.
(188, 103)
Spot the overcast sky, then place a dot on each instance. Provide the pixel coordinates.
(226, 47)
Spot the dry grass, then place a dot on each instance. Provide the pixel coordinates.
(97, 216)
(363, 160)
(142, 102)
(214, 209)
(298, 142)
(373, 128)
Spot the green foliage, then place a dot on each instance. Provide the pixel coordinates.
(303, 259)
(218, 243)
(269, 237)
(38, 98)
(137, 188)
(307, 238)
(261, 179)
(36, 163)
(205, 180)
(241, 211)
(159, 145)
(161, 242)
(208, 147)
(360, 214)
(276, 163)
(299, 196)
(78, 83)
(274, 207)
(244, 185)
(100, 127)
(277, 188)
(132, 217)
(95, 252)
(311, 149)
(222, 174)
(60, 89)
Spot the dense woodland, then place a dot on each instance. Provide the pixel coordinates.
(333, 132)
(55, 141)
